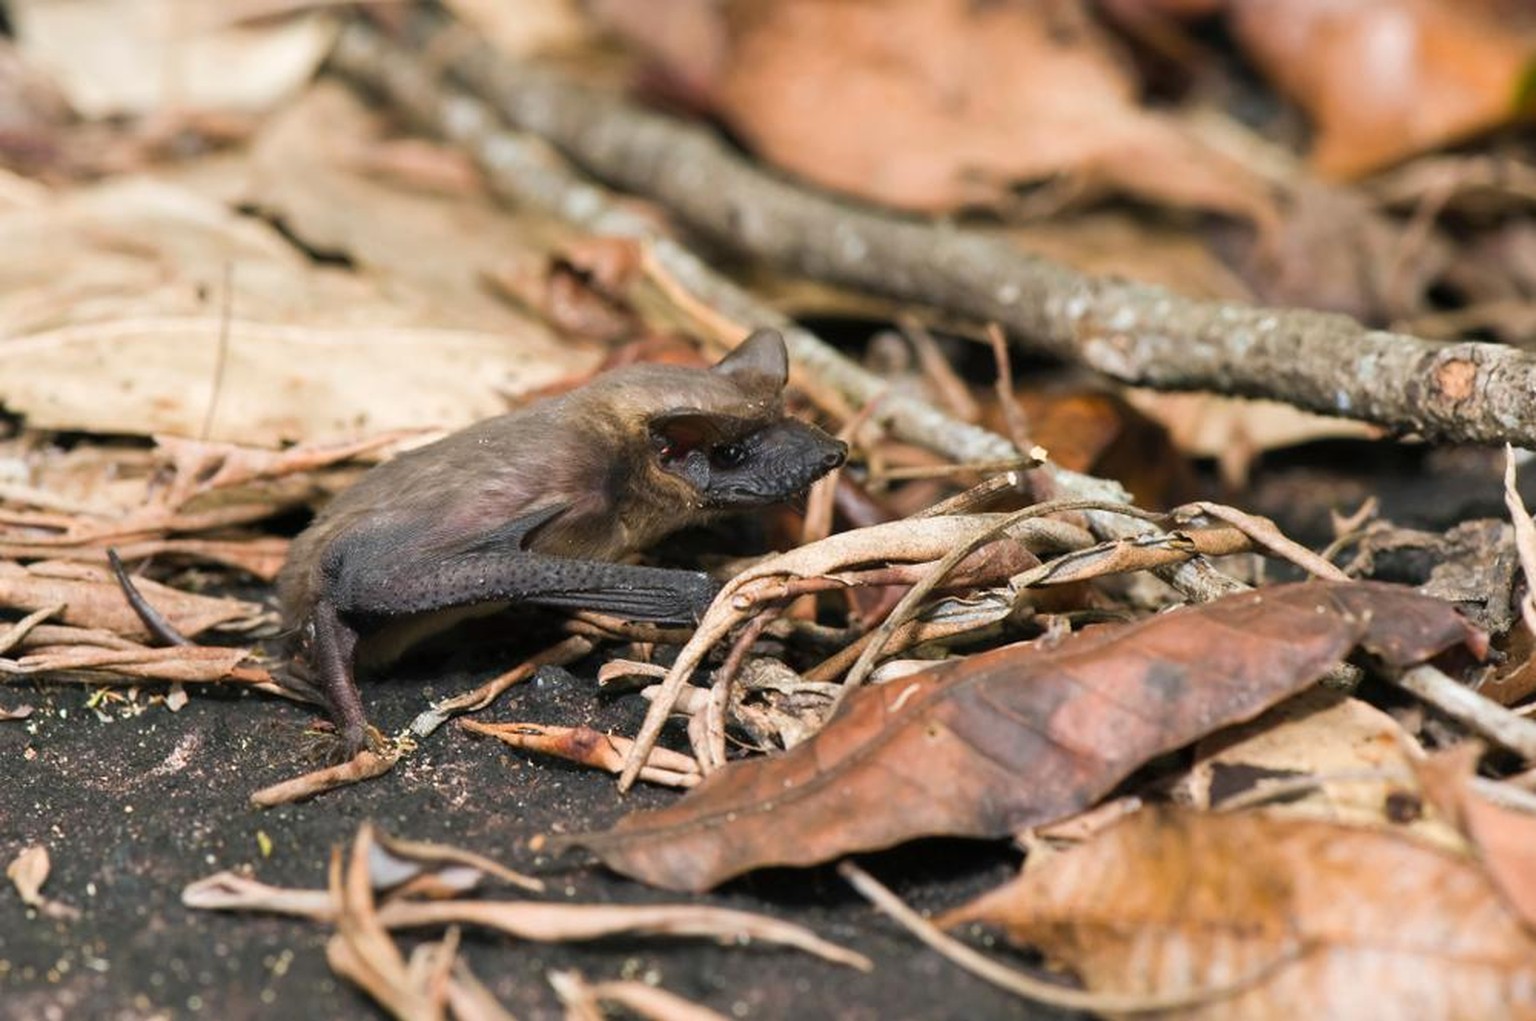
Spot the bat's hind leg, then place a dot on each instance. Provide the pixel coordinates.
(331, 651)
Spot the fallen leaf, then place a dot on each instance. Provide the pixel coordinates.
(1019, 736)
(1503, 837)
(115, 57)
(28, 871)
(185, 663)
(92, 599)
(1307, 918)
(639, 998)
(1353, 759)
(589, 747)
(946, 103)
(129, 278)
(524, 920)
(1385, 79)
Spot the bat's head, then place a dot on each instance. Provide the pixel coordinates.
(732, 445)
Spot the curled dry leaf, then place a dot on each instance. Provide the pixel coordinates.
(230, 891)
(361, 950)
(1307, 918)
(591, 748)
(423, 868)
(364, 766)
(1020, 736)
(584, 999)
(28, 871)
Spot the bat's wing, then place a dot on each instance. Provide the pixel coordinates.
(366, 581)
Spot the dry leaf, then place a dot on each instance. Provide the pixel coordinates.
(28, 871)
(92, 598)
(1312, 919)
(526, 28)
(116, 57)
(1385, 79)
(1356, 758)
(945, 103)
(230, 891)
(188, 664)
(1503, 837)
(590, 748)
(1019, 736)
(129, 277)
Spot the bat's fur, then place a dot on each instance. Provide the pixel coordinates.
(534, 506)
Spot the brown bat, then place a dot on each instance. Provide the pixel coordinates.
(534, 507)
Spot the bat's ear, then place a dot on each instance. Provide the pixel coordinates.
(678, 433)
(759, 362)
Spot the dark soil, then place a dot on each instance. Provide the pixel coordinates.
(136, 802)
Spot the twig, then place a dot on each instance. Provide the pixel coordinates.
(153, 620)
(1135, 333)
(907, 607)
(15, 634)
(1479, 713)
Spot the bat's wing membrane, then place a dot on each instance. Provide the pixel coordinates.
(494, 567)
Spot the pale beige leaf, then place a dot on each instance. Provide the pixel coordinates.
(116, 57)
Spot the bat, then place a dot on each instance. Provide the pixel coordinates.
(536, 507)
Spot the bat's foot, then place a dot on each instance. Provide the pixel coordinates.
(329, 746)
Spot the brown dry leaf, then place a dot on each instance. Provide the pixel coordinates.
(92, 599)
(547, 922)
(1503, 837)
(262, 557)
(1019, 736)
(1312, 919)
(590, 748)
(129, 278)
(1235, 430)
(1103, 434)
(1340, 252)
(1385, 79)
(361, 950)
(1118, 243)
(129, 57)
(944, 103)
(365, 765)
(1358, 756)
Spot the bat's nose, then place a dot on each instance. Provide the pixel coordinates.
(835, 455)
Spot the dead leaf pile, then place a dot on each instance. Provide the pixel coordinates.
(384, 884)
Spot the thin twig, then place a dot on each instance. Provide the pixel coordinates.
(154, 621)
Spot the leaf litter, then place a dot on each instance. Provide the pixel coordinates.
(1002, 676)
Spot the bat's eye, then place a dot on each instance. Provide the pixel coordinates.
(728, 455)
